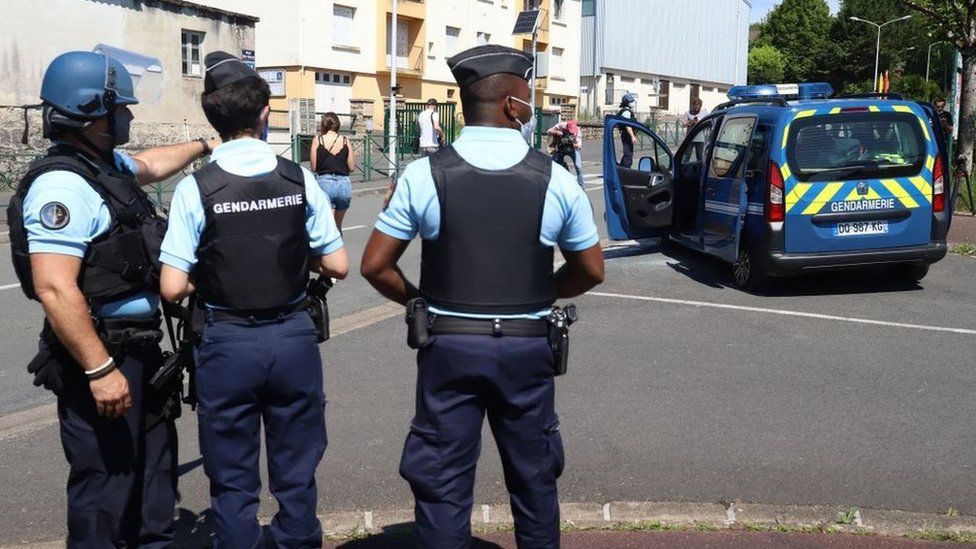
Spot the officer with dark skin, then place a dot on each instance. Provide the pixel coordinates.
(490, 211)
(243, 233)
(80, 231)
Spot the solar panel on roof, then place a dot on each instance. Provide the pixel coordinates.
(526, 22)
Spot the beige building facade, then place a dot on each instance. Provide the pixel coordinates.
(337, 52)
(176, 32)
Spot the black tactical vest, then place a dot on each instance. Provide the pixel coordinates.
(254, 251)
(487, 258)
(624, 136)
(121, 262)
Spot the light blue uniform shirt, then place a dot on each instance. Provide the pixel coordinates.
(567, 217)
(87, 218)
(245, 158)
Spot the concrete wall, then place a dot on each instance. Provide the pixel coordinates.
(28, 47)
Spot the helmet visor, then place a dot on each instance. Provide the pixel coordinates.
(146, 73)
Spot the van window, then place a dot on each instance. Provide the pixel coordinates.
(866, 145)
(731, 146)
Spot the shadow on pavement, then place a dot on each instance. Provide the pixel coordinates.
(715, 273)
(399, 536)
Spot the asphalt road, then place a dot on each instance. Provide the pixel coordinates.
(838, 389)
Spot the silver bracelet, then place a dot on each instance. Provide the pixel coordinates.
(103, 369)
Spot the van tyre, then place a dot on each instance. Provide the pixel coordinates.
(748, 273)
(912, 273)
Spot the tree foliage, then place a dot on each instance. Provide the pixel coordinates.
(766, 65)
(799, 30)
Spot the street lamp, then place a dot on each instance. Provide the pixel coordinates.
(928, 58)
(877, 52)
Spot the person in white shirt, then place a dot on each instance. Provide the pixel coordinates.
(430, 129)
(688, 121)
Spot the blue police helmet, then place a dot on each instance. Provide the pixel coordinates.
(628, 99)
(84, 85)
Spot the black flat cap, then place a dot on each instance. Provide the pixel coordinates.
(223, 69)
(472, 65)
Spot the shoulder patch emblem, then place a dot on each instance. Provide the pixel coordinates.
(55, 215)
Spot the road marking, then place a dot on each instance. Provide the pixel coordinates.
(592, 176)
(9, 286)
(354, 227)
(783, 312)
(383, 188)
(591, 189)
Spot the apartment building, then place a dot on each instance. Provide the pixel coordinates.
(338, 52)
(666, 52)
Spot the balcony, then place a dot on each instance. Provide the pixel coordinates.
(410, 62)
(414, 9)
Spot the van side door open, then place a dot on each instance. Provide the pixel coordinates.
(639, 201)
(724, 197)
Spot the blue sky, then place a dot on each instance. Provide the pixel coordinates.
(761, 7)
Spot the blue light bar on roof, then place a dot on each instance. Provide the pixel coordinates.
(807, 90)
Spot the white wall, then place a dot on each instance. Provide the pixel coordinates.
(565, 34)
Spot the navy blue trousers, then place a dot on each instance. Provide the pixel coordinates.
(249, 372)
(460, 379)
(121, 480)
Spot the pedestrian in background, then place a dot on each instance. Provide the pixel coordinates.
(82, 236)
(567, 142)
(249, 226)
(627, 136)
(689, 120)
(490, 211)
(429, 124)
(945, 117)
(332, 160)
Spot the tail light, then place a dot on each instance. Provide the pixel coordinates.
(938, 185)
(774, 196)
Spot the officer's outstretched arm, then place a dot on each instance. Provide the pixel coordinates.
(56, 284)
(379, 267)
(159, 163)
(335, 264)
(582, 271)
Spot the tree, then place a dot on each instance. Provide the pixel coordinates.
(799, 29)
(955, 21)
(915, 87)
(766, 65)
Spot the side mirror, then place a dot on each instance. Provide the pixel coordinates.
(646, 164)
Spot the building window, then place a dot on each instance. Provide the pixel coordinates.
(557, 9)
(556, 63)
(342, 25)
(626, 80)
(451, 37)
(589, 7)
(333, 78)
(483, 38)
(609, 99)
(191, 42)
(531, 4)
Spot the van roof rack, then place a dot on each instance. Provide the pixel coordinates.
(778, 101)
(874, 95)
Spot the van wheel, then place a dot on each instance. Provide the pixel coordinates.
(748, 273)
(912, 273)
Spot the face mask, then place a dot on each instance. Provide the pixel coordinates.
(121, 123)
(527, 128)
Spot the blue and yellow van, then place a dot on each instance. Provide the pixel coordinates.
(786, 179)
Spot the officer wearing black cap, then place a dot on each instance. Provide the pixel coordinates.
(82, 234)
(244, 232)
(490, 211)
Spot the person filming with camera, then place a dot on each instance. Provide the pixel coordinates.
(567, 142)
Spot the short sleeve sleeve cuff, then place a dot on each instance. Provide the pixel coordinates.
(39, 245)
(175, 262)
(385, 227)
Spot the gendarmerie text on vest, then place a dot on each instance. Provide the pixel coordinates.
(259, 205)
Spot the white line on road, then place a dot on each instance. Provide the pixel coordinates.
(9, 287)
(354, 227)
(598, 187)
(786, 313)
(383, 188)
(592, 176)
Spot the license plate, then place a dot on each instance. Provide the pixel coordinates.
(857, 228)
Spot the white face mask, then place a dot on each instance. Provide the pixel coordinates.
(527, 128)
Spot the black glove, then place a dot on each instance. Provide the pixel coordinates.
(47, 367)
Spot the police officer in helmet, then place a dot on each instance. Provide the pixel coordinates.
(489, 210)
(627, 136)
(82, 235)
(241, 233)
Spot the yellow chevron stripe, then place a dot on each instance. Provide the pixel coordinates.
(923, 187)
(873, 108)
(786, 133)
(796, 195)
(930, 163)
(805, 114)
(835, 110)
(902, 108)
(822, 198)
(872, 195)
(785, 170)
(900, 193)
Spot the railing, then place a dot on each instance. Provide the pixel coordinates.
(412, 61)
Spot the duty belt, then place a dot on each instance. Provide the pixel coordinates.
(118, 332)
(515, 327)
(232, 315)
